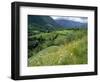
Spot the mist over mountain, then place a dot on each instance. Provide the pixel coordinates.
(47, 23)
(70, 23)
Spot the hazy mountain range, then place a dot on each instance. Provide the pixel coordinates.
(71, 24)
(48, 23)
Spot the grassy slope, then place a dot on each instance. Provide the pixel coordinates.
(70, 47)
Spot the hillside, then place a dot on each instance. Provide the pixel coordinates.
(59, 48)
(42, 20)
(53, 42)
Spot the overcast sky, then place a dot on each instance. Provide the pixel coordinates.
(77, 19)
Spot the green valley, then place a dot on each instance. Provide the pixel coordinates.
(52, 44)
(59, 48)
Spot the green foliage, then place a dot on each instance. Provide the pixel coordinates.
(62, 47)
(76, 52)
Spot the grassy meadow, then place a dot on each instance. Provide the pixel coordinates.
(58, 47)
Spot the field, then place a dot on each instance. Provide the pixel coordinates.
(59, 47)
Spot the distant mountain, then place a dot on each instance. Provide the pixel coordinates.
(42, 20)
(47, 24)
(70, 24)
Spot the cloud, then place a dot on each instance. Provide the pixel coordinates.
(77, 19)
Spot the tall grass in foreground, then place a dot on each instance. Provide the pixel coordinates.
(69, 47)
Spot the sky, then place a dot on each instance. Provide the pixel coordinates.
(76, 19)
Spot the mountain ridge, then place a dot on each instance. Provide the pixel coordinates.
(70, 23)
(47, 23)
